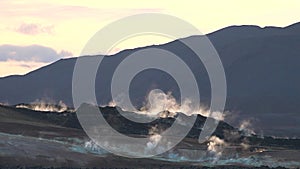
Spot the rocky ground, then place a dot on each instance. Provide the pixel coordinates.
(35, 139)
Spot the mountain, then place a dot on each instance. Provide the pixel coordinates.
(261, 67)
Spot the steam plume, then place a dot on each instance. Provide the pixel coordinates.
(160, 104)
(246, 128)
(216, 147)
(40, 105)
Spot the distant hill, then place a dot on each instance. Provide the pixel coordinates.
(261, 66)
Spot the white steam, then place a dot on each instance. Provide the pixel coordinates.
(153, 141)
(154, 138)
(246, 128)
(40, 105)
(112, 104)
(216, 147)
(4, 104)
(218, 116)
(158, 101)
(160, 104)
(92, 147)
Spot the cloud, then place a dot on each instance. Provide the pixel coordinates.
(65, 53)
(13, 67)
(62, 12)
(23, 59)
(34, 29)
(34, 53)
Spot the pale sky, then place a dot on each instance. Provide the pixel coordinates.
(61, 28)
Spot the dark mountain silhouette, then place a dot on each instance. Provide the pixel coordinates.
(261, 66)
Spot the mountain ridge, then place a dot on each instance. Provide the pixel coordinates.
(261, 68)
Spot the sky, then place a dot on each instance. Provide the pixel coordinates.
(35, 33)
